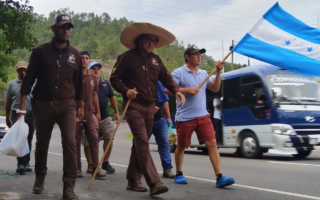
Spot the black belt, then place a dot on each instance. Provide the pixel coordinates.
(52, 103)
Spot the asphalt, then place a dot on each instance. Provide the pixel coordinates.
(271, 177)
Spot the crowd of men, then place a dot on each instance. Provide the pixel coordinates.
(61, 85)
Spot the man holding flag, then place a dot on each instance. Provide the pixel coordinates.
(193, 116)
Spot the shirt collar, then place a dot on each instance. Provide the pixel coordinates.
(189, 71)
(18, 81)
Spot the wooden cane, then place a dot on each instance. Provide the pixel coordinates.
(111, 139)
(213, 71)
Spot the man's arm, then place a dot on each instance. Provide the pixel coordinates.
(167, 111)
(96, 104)
(114, 105)
(215, 85)
(8, 110)
(191, 91)
(117, 75)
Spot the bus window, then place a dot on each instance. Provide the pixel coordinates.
(253, 96)
(231, 93)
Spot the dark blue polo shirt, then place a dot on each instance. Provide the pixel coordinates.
(104, 94)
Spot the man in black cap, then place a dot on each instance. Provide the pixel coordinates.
(58, 98)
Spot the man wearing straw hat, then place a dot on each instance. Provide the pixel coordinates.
(140, 68)
(193, 116)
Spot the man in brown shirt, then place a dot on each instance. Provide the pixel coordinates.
(141, 69)
(91, 118)
(56, 68)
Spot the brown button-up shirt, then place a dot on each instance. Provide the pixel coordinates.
(90, 85)
(132, 70)
(57, 73)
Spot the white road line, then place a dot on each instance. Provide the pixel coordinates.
(238, 185)
(289, 163)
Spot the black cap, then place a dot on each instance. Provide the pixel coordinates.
(85, 53)
(60, 20)
(193, 49)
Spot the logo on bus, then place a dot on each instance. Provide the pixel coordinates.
(310, 119)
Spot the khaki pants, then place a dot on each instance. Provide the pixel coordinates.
(140, 120)
(44, 117)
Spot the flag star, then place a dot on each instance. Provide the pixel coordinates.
(309, 49)
(287, 43)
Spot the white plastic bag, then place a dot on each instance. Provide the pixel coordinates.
(15, 142)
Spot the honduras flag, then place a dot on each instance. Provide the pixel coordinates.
(282, 40)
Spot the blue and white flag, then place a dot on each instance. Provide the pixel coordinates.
(282, 40)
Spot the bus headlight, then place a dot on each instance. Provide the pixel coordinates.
(283, 129)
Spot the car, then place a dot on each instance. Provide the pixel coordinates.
(3, 127)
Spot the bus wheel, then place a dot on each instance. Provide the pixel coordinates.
(302, 154)
(250, 147)
(173, 148)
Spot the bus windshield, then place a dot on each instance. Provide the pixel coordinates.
(293, 87)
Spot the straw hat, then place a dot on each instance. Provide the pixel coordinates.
(130, 33)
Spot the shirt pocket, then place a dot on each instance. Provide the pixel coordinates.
(136, 71)
(154, 71)
(69, 70)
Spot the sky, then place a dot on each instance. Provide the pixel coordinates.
(209, 24)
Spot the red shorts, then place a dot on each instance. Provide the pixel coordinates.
(201, 125)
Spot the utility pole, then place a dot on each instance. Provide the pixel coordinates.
(248, 61)
(232, 56)
(318, 23)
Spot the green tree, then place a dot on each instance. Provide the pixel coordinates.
(16, 31)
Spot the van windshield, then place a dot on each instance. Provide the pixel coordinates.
(293, 88)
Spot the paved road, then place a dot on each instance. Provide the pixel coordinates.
(271, 177)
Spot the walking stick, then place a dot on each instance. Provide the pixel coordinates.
(111, 139)
(213, 71)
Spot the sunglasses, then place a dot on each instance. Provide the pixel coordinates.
(151, 41)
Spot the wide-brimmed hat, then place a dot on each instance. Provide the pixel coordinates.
(130, 33)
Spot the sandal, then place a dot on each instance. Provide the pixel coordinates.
(224, 181)
(180, 180)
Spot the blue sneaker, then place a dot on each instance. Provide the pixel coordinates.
(224, 181)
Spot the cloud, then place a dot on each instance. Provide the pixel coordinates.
(205, 23)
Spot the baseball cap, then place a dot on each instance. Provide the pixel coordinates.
(193, 49)
(21, 64)
(94, 63)
(85, 53)
(62, 19)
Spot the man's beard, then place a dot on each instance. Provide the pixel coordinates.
(60, 41)
(21, 77)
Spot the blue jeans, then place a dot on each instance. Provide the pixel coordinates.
(160, 132)
(29, 120)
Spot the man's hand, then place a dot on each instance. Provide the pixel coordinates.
(131, 94)
(168, 121)
(117, 118)
(8, 122)
(193, 91)
(180, 97)
(98, 116)
(156, 108)
(219, 66)
(80, 114)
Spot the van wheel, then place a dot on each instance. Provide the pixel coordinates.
(302, 154)
(173, 148)
(250, 147)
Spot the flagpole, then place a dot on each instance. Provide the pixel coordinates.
(214, 70)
